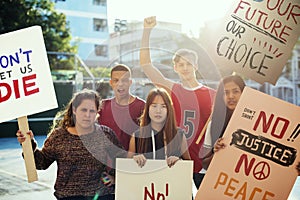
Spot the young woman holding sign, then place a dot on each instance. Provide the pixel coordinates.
(227, 97)
(158, 136)
(80, 147)
(228, 94)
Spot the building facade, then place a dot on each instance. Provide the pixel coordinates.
(89, 28)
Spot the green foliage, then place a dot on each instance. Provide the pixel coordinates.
(18, 14)
(62, 61)
(98, 72)
(101, 72)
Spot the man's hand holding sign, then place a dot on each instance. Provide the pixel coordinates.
(26, 85)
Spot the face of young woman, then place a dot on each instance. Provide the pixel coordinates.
(232, 94)
(158, 112)
(85, 114)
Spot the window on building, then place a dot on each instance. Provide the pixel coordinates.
(100, 24)
(99, 2)
(101, 50)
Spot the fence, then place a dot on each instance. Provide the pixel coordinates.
(69, 81)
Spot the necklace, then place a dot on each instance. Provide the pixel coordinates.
(165, 145)
(153, 145)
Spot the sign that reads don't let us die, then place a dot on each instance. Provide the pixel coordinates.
(26, 85)
(255, 38)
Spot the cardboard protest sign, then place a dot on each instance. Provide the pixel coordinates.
(26, 85)
(259, 160)
(255, 38)
(153, 181)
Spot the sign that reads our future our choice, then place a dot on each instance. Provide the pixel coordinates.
(26, 85)
(255, 38)
(261, 153)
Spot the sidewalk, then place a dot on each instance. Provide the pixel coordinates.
(13, 178)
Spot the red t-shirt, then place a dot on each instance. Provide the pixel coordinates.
(192, 109)
(123, 119)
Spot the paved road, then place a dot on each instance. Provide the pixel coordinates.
(13, 179)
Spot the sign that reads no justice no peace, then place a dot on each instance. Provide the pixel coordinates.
(261, 151)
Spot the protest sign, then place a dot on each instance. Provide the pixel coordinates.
(259, 160)
(153, 181)
(255, 38)
(26, 85)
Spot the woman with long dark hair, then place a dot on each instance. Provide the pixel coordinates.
(158, 136)
(80, 147)
(228, 94)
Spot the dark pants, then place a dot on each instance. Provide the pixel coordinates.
(198, 177)
(105, 197)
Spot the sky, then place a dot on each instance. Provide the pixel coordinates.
(190, 13)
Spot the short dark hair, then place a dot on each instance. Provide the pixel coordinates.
(120, 67)
(187, 54)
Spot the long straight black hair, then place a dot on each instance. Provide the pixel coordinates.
(221, 113)
(170, 128)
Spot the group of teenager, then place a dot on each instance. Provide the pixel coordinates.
(90, 133)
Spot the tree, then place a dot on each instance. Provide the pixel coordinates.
(15, 15)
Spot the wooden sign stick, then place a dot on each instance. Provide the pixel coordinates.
(203, 130)
(27, 150)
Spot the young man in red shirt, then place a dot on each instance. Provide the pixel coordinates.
(192, 100)
(121, 112)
